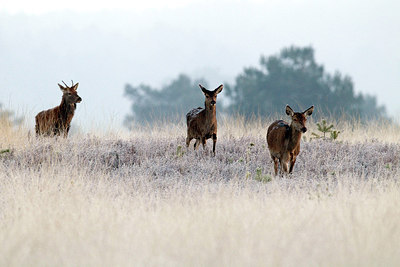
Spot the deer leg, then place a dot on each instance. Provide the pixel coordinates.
(37, 129)
(292, 162)
(214, 137)
(196, 145)
(204, 142)
(56, 129)
(65, 132)
(188, 139)
(284, 166)
(275, 159)
(284, 162)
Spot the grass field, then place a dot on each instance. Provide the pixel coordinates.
(137, 198)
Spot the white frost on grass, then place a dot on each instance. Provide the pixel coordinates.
(132, 199)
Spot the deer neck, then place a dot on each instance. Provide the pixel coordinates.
(294, 138)
(211, 112)
(67, 109)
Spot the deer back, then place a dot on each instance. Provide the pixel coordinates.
(196, 122)
(278, 136)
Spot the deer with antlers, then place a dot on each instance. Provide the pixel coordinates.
(284, 139)
(202, 122)
(57, 121)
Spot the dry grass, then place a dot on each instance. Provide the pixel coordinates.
(119, 198)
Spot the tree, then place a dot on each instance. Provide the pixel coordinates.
(293, 77)
(172, 100)
(8, 119)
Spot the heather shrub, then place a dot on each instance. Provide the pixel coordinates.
(138, 198)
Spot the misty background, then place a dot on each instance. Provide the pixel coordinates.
(105, 48)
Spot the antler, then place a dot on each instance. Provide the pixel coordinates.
(65, 84)
(72, 83)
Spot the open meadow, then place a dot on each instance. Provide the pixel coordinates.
(137, 198)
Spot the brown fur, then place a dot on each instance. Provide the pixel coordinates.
(284, 139)
(202, 122)
(57, 121)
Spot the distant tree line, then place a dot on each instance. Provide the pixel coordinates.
(174, 99)
(291, 77)
(8, 118)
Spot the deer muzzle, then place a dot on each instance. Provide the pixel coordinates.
(304, 129)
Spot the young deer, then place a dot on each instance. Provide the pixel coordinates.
(56, 121)
(284, 139)
(202, 122)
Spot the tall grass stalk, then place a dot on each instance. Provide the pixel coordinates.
(126, 198)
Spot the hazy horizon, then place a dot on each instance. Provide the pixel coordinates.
(105, 49)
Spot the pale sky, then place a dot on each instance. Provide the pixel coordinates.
(39, 7)
(106, 44)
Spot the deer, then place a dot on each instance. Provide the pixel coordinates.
(57, 121)
(202, 122)
(284, 139)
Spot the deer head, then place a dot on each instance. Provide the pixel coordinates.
(211, 96)
(70, 95)
(299, 119)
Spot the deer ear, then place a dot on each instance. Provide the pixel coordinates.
(309, 111)
(75, 87)
(219, 89)
(62, 88)
(289, 111)
(205, 91)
